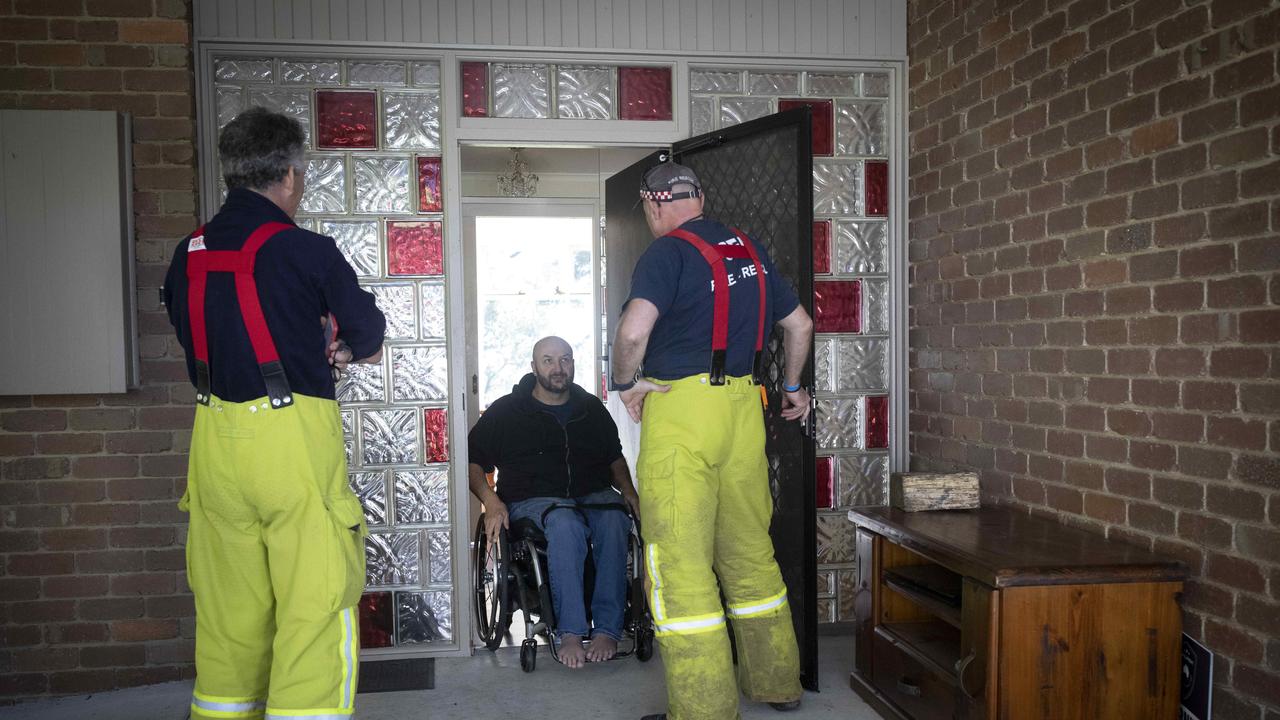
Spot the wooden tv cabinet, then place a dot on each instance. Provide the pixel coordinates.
(995, 614)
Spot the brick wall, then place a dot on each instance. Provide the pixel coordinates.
(1095, 204)
(92, 590)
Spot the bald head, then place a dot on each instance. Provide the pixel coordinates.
(553, 366)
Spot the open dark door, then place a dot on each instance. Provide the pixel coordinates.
(757, 176)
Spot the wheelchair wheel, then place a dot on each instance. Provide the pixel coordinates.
(644, 642)
(492, 597)
(528, 655)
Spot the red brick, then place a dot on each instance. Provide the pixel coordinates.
(1182, 428)
(15, 28)
(1105, 508)
(1204, 530)
(1210, 396)
(1236, 433)
(1215, 259)
(1260, 326)
(1154, 137)
(169, 32)
(1202, 462)
(51, 54)
(87, 80)
(1251, 72)
(1238, 362)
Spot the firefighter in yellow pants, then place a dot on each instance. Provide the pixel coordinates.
(275, 546)
(274, 550)
(703, 292)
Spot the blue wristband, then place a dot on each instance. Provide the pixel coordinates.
(791, 388)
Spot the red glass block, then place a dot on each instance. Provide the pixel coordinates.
(826, 480)
(877, 421)
(475, 89)
(429, 197)
(823, 134)
(415, 247)
(822, 247)
(377, 620)
(346, 119)
(876, 175)
(837, 306)
(644, 93)
(436, 421)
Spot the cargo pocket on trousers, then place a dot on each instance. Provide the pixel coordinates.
(346, 557)
(658, 498)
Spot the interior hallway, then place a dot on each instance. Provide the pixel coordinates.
(491, 685)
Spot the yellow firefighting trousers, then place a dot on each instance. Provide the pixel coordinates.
(275, 558)
(706, 506)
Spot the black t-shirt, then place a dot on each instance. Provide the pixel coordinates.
(673, 275)
(561, 412)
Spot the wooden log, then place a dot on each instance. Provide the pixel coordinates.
(934, 491)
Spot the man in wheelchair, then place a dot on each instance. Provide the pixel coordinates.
(560, 466)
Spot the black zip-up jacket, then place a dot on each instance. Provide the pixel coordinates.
(535, 456)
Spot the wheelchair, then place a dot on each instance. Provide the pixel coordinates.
(511, 575)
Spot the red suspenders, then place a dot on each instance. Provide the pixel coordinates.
(201, 262)
(715, 256)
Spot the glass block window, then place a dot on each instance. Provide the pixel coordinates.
(374, 183)
(565, 91)
(853, 238)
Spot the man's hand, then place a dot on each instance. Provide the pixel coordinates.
(495, 519)
(633, 502)
(634, 397)
(340, 354)
(796, 405)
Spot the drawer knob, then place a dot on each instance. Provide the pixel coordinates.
(906, 687)
(962, 665)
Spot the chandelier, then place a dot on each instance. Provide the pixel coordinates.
(517, 181)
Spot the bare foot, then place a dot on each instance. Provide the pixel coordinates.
(572, 654)
(603, 648)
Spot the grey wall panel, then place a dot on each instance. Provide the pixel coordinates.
(66, 261)
(863, 29)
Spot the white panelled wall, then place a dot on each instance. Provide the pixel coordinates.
(857, 38)
(866, 29)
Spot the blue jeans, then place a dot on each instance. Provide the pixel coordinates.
(567, 537)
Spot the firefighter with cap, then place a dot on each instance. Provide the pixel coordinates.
(275, 546)
(704, 298)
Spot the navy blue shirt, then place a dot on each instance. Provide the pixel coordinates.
(561, 412)
(301, 277)
(673, 275)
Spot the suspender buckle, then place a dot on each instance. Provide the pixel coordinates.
(717, 367)
(277, 385)
(202, 382)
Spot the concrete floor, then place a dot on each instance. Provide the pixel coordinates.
(491, 685)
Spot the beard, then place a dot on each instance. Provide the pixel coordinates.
(555, 382)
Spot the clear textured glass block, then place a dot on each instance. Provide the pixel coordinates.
(305, 223)
(773, 83)
(832, 84)
(382, 185)
(325, 189)
(396, 303)
(371, 488)
(848, 580)
(358, 242)
(392, 559)
(362, 383)
(245, 70)
(875, 84)
(840, 423)
(860, 128)
(823, 361)
(861, 247)
(584, 91)
(422, 496)
(424, 617)
(826, 610)
(720, 82)
(349, 434)
(835, 538)
(703, 114)
(411, 120)
(230, 102)
(294, 103)
(837, 187)
(346, 119)
(875, 301)
(432, 311)
(734, 110)
(381, 72)
(389, 437)
(521, 91)
(419, 373)
(826, 584)
(862, 479)
(440, 560)
(310, 72)
(425, 74)
(863, 364)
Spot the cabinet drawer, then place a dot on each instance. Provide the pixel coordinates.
(911, 686)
